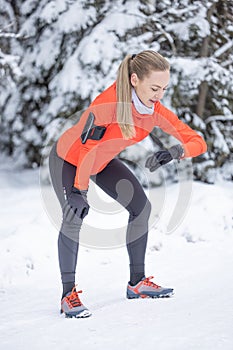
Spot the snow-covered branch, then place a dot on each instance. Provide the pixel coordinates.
(10, 35)
(223, 49)
(223, 118)
(10, 62)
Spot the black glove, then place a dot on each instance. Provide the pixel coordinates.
(76, 205)
(163, 157)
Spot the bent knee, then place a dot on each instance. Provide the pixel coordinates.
(143, 209)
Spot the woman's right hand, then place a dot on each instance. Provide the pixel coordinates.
(76, 205)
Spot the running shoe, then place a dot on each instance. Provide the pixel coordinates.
(72, 306)
(147, 289)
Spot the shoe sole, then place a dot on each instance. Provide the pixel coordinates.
(144, 296)
(82, 314)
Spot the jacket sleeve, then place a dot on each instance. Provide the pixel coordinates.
(191, 141)
(86, 160)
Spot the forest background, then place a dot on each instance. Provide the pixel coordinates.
(56, 56)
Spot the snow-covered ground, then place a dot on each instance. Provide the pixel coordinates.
(196, 259)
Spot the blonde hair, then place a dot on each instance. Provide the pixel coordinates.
(142, 64)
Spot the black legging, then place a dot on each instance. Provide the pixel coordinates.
(132, 197)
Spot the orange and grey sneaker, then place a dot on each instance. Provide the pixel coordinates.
(72, 307)
(147, 289)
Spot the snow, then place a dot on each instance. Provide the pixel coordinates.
(219, 142)
(224, 48)
(51, 11)
(182, 29)
(12, 61)
(59, 55)
(195, 258)
(71, 51)
(97, 48)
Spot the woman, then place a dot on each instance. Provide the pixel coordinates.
(121, 116)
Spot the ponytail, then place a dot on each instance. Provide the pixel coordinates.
(124, 100)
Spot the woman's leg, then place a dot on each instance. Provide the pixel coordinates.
(62, 176)
(120, 183)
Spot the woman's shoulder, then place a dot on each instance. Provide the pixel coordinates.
(107, 96)
(163, 111)
(104, 106)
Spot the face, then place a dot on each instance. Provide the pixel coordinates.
(151, 88)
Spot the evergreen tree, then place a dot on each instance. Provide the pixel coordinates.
(64, 52)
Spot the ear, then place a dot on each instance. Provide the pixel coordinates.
(134, 79)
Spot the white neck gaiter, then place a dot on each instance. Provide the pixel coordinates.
(140, 107)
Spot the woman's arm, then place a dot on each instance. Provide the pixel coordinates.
(192, 143)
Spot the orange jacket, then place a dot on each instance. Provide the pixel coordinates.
(91, 157)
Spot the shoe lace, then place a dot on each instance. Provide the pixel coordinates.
(147, 282)
(73, 298)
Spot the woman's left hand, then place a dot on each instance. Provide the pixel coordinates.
(163, 157)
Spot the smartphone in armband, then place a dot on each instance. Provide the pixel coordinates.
(88, 127)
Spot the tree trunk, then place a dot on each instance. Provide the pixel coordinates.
(203, 88)
(203, 91)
